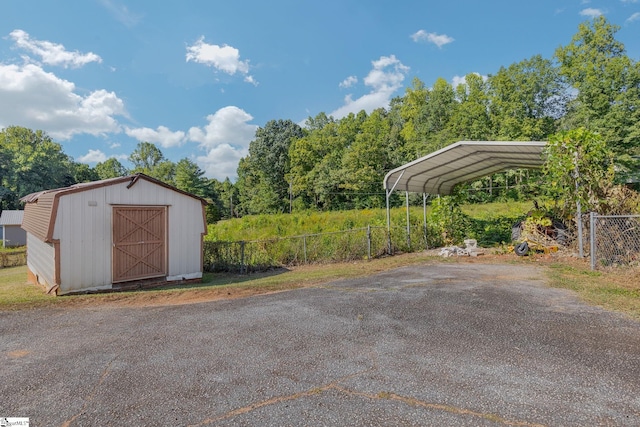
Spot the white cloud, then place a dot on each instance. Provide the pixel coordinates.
(223, 58)
(437, 39)
(387, 74)
(221, 162)
(226, 139)
(163, 136)
(52, 53)
(37, 99)
(629, 1)
(457, 81)
(384, 79)
(250, 79)
(348, 82)
(591, 12)
(93, 156)
(115, 145)
(97, 156)
(633, 18)
(228, 125)
(462, 80)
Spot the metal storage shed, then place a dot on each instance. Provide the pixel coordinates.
(132, 231)
(12, 234)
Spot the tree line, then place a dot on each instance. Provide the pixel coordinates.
(589, 83)
(332, 164)
(31, 161)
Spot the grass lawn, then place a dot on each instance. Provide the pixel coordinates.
(617, 290)
(17, 294)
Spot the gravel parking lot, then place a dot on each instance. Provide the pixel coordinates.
(448, 344)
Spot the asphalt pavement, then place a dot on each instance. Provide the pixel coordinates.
(453, 344)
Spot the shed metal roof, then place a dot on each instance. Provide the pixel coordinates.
(83, 186)
(41, 207)
(440, 171)
(11, 217)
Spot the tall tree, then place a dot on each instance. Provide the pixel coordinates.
(268, 164)
(83, 172)
(148, 159)
(413, 109)
(607, 86)
(579, 167)
(441, 107)
(317, 158)
(255, 195)
(470, 120)
(32, 162)
(226, 198)
(110, 168)
(526, 99)
(310, 157)
(189, 177)
(366, 161)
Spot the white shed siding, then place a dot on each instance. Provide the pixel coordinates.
(85, 232)
(186, 225)
(41, 260)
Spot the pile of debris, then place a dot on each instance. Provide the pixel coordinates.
(470, 249)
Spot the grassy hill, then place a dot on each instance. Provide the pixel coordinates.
(490, 223)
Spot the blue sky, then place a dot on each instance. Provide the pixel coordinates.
(197, 78)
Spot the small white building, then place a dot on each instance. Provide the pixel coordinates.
(118, 233)
(12, 234)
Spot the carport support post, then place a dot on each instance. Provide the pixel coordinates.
(389, 191)
(388, 223)
(424, 216)
(578, 207)
(408, 221)
(592, 239)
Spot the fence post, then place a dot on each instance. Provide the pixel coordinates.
(592, 239)
(242, 256)
(304, 246)
(369, 242)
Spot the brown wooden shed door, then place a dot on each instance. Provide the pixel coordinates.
(139, 240)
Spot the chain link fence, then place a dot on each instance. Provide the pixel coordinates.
(340, 246)
(614, 240)
(260, 255)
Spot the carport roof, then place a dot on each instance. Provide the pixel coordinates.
(439, 172)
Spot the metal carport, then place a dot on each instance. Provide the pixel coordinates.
(440, 171)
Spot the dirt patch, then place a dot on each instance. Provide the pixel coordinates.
(16, 354)
(178, 297)
(191, 297)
